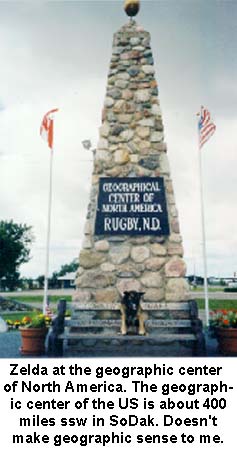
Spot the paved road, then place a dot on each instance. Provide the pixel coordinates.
(10, 343)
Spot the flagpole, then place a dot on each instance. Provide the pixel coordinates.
(206, 129)
(204, 251)
(48, 233)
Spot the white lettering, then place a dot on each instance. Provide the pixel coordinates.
(151, 224)
(149, 186)
(123, 198)
(121, 224)
(114, 208)
(144, 207)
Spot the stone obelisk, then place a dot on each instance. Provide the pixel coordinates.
(132, 236)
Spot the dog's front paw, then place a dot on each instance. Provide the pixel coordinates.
(141, 333)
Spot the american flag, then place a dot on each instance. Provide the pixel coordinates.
(46, 128)
(206, 127)
(48, 311)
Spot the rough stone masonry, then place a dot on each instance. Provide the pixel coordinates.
(131, 145)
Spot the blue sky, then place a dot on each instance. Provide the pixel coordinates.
(56, 54)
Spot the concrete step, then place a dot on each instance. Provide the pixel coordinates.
(79, 323)
(172, 329)
(116, 315)
(148, 305)
(155, 327)
(93, 311)
(165, 337)
(165, 345)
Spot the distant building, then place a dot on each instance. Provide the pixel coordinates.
(68, 280)
(195, 280)
(214, 280)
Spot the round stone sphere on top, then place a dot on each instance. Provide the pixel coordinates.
(132, 7)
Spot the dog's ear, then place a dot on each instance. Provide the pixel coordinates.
(126, 293)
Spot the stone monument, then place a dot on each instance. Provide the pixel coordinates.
(132, 236)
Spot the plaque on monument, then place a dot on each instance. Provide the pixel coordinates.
(132, 206)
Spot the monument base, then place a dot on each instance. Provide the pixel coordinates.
(173, 330)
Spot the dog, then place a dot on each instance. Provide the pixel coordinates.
(131, 313)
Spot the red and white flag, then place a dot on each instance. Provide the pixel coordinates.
(206, 127)
(48, 311)
(46, 128)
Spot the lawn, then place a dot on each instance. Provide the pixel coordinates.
(39, 298)
(211, 289)
(18, 315)
(31, 300)
(217, 304)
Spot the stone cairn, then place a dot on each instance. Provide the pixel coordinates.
(131, 144)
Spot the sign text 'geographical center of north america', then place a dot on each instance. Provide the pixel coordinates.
(132, 206)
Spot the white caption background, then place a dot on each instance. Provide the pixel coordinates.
(133, 417)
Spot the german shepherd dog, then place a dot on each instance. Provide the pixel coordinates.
(132, 314)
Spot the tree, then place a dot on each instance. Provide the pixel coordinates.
(53, 280)
(30, 283)
(40, 280)
(68, 268)
(15, 242)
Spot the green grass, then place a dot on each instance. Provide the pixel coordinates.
(31, 300)
(39, 298)
(211, 289)
(217, 304)
(18, 315)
